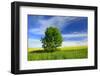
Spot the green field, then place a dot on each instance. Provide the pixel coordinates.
(75, 52)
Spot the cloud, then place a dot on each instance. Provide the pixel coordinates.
(75, 35)
(58, 22)
(74, 43)
(82, 42)
(36, 31)
(34, 43)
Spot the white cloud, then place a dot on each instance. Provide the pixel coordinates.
(56, 20)
(51, 22)
(34, 43)
(75, 35)
(74, 43)
(36, 31)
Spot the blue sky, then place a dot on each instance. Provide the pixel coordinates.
(73, 29)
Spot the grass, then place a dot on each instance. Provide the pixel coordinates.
(76, 52)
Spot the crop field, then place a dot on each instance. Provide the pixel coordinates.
(74, 52)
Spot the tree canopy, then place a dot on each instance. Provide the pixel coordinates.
(52, 39)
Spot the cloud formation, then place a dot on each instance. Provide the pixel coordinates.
(73, 29)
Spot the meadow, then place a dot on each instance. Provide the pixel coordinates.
(73, 52)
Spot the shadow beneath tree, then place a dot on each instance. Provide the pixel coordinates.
(41, 51)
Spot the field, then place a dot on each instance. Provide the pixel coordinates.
(75, 52)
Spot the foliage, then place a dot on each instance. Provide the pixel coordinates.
(52, 39)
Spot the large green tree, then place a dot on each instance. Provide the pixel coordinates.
(52, 39)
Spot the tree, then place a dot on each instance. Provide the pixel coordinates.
(52, 39)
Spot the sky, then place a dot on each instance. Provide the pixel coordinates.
(73, 29)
